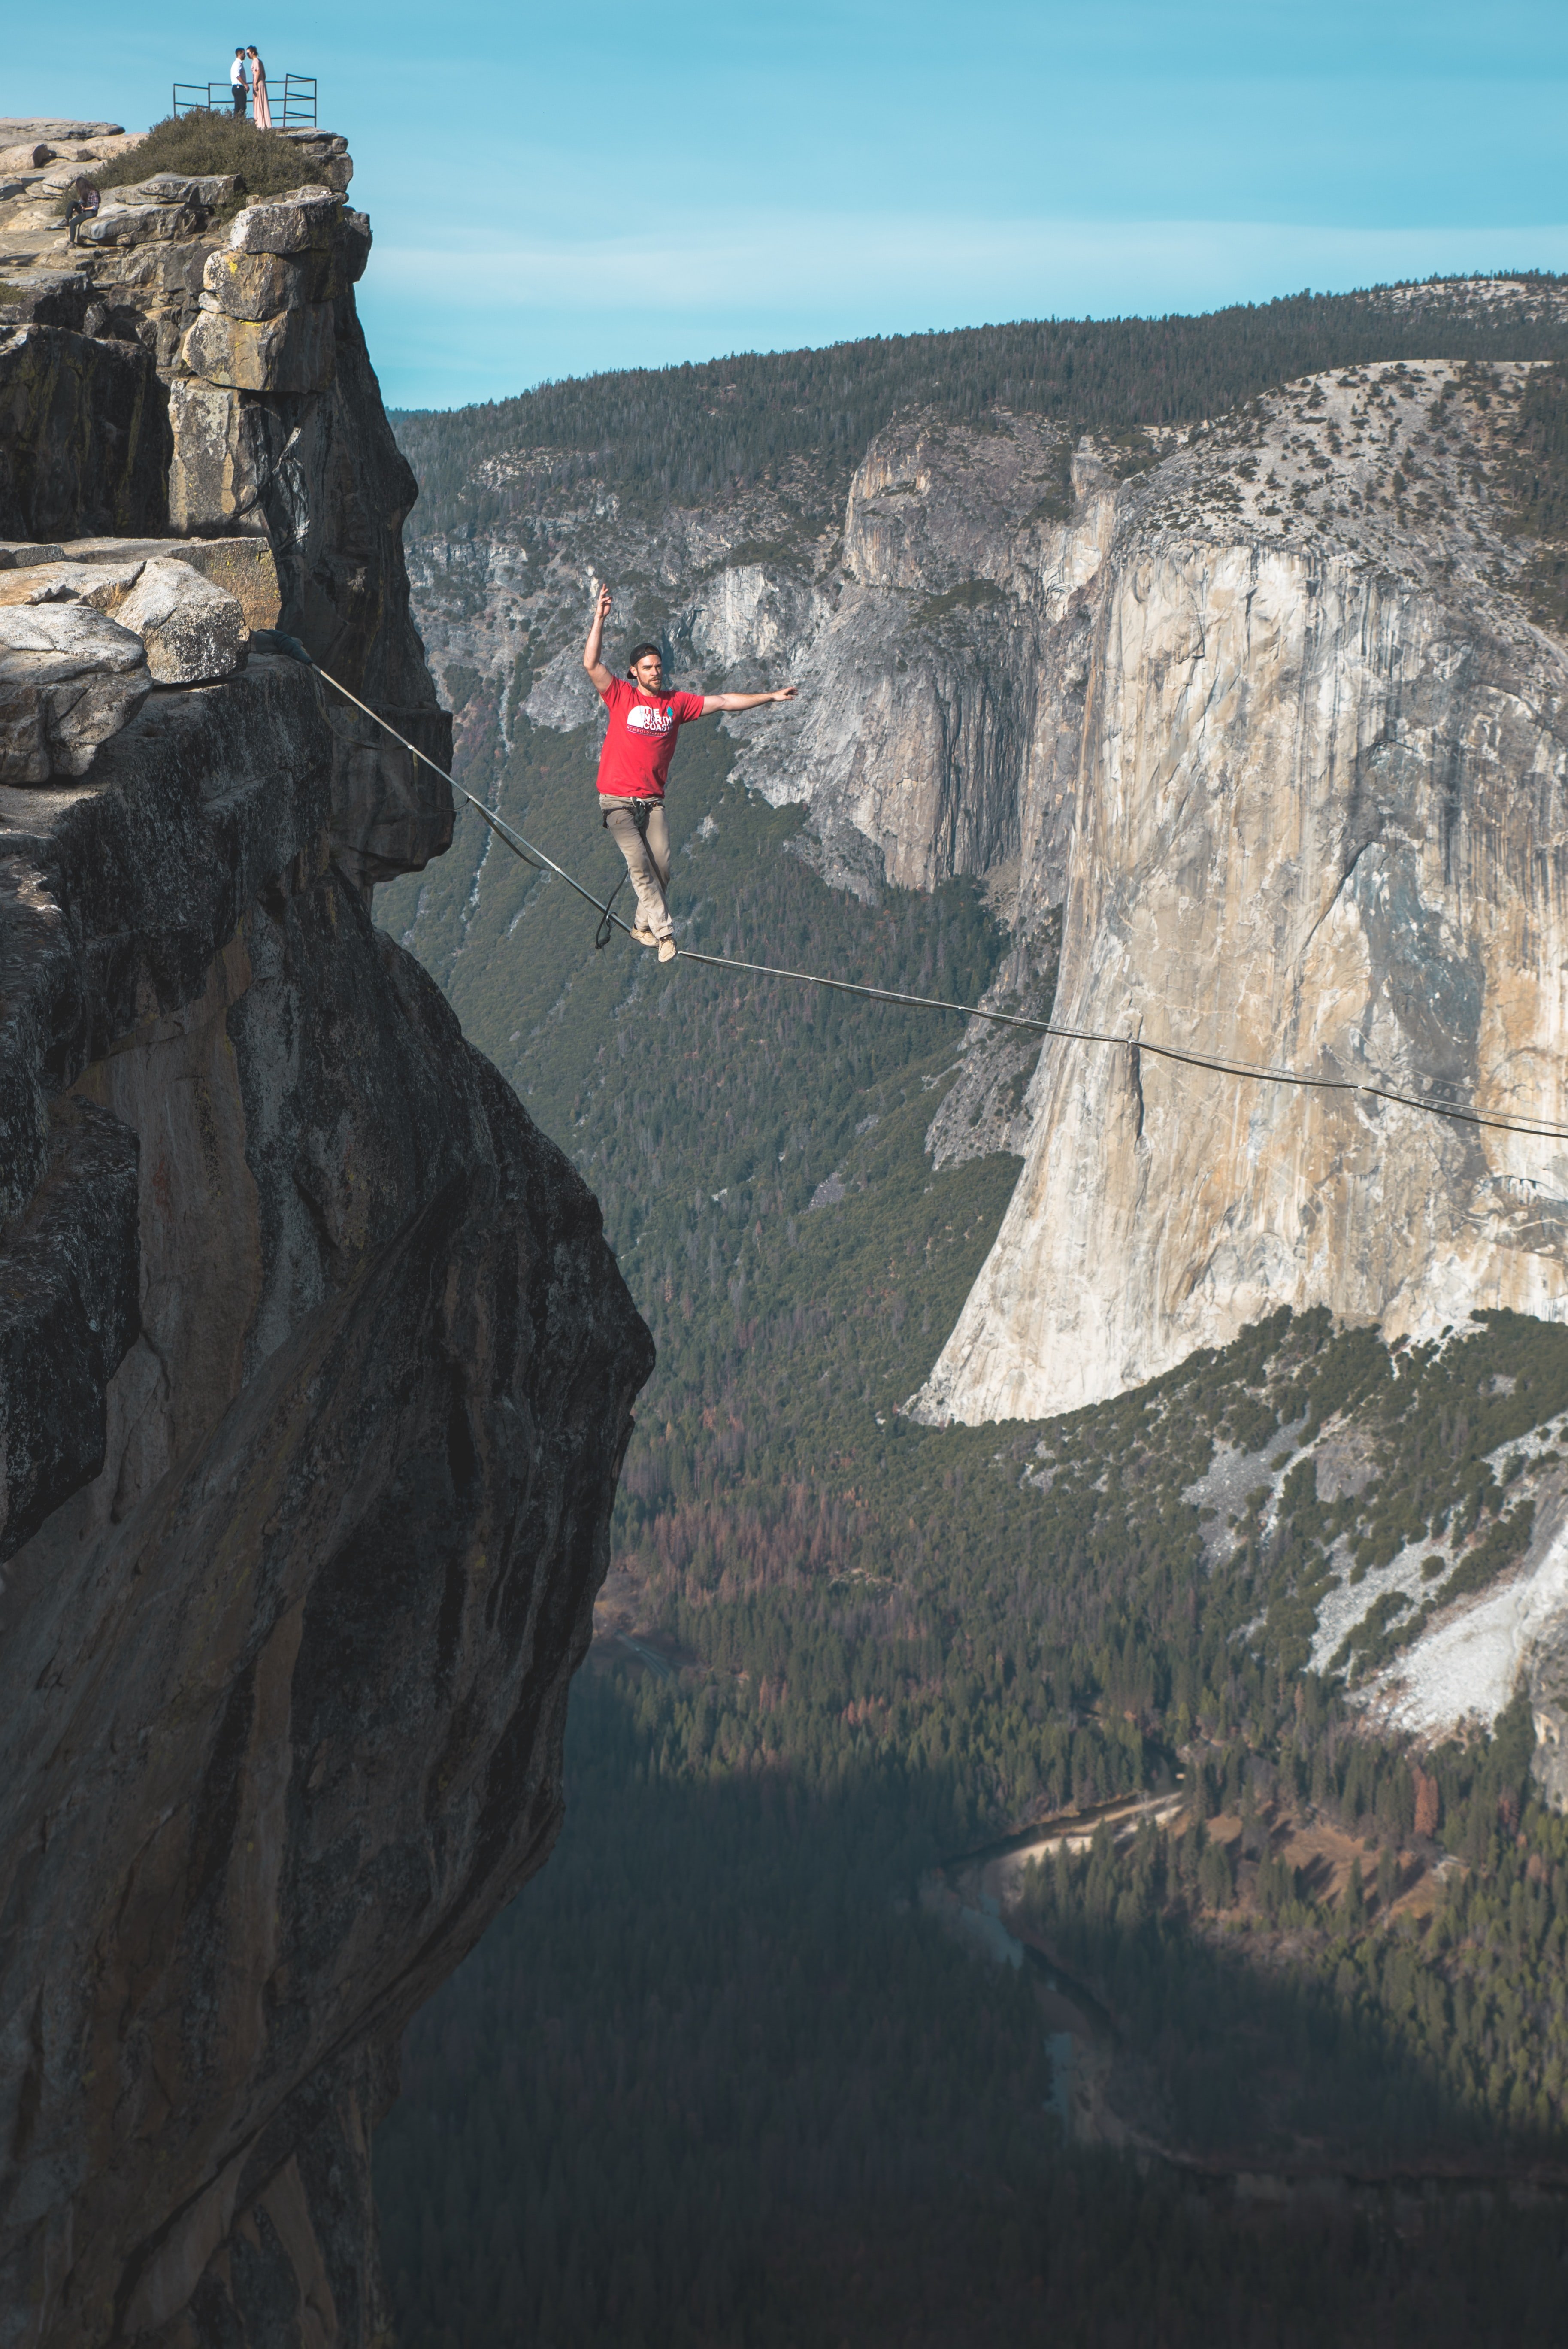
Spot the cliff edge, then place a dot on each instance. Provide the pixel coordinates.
(315, 1370)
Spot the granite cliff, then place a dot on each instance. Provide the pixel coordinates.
(315, 1372)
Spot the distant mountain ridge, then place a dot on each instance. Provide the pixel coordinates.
(694, 433)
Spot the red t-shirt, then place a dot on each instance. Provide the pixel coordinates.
(640, 740)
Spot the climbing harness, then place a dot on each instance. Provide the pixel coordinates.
(1251, 1071)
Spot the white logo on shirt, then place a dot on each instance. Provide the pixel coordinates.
(643, 718)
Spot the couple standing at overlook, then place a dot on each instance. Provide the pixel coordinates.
(634, 765)
(261, 105)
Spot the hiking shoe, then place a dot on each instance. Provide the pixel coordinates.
(644, 937)
(667, 949)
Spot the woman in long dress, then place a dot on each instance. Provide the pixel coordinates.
(260, 110)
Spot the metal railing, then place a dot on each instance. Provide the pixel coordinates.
(299, 102)
(297, 111)
(201, 98)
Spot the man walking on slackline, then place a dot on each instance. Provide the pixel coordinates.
(634, 765)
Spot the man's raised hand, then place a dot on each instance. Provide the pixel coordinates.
(594, 649)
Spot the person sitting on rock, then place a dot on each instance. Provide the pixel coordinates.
(83, 205)
(634, 764)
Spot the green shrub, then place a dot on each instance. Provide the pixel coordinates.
(264, 163)
(971, 596)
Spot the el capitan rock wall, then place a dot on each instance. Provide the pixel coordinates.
(1324, 828)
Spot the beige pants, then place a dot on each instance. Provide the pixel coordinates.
(648, 862)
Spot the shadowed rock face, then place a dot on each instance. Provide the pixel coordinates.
(338, 491)
(84, 434)
(316, 1379)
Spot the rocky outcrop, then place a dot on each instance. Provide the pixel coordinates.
(932, 718)
(191, 630)
(44, 574)
(1549, 1711)
(194, 371)
(316, 1377)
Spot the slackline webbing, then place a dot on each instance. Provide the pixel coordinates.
(1251, 1071)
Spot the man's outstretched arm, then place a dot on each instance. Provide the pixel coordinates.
(593, 650)
(742, 700)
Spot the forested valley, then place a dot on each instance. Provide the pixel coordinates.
(727, 2072)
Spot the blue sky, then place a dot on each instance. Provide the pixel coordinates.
(557, 191)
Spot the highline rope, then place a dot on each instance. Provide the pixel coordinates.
(1251, 1071)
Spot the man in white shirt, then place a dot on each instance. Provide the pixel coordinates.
(237, 84)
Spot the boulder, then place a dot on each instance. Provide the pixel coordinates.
(242, 564)
(195, 632)
(102, 585)
(69, 678)
(192, 628)
(21, 130)
(141, 223)
(213, 188)
(295, 352)
(162, 187)
(29, 155)
(256, 285)
(178, 187)
(22, 553)
(294, 223)
(351, 248)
